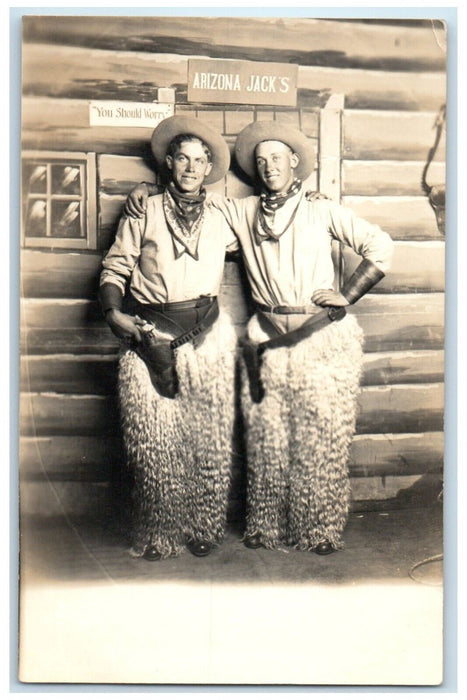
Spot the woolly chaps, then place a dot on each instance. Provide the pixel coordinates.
(180, 450)
(298, 437)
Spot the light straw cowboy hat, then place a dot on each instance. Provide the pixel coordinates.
(171, 127)
(256, 132)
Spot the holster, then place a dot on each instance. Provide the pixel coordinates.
(159, 354)
(159, 357)
(252, 357)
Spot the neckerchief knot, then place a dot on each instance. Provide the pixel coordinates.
(184, 214)
(269, 203)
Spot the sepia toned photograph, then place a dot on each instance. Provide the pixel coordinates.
(232, 350)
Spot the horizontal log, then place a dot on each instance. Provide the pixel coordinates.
(404, 218)
(341, 43)
(71, 457)
(78, 500)
(416, 267)
(119, 174)
(401, 321)
(69, 275)
(57, 414)
(398, 409)
(99, 458)
(71, 374)
(97, 374)
(391, 455)
(367, 489)
(400, 367)
(390, 135)
(90, 340)
(389, 322)
(401, 408)
(60, 274)
(403, 178)
(377, 90)
(98, 139)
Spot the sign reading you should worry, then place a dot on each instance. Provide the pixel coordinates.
(242, 82)
(129, 114)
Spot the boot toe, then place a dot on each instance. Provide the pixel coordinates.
(200, 549)
(152, 554)
(324, 548)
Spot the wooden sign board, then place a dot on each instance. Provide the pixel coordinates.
(242, 82)
(134, 114)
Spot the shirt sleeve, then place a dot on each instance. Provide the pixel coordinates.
(216, 202)
(232, 209)
(122, 257)
(368, 240)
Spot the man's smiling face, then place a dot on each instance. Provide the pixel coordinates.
(275, 163)
(189, 166)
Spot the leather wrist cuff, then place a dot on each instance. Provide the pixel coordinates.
(110, 297)
(363, 279)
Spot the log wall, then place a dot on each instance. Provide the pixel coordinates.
(392, 79)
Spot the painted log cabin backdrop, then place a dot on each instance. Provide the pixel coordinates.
(369, 93)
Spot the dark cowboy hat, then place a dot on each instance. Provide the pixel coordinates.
(171, 127)
(256, 132)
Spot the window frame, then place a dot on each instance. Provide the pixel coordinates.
(89, 198)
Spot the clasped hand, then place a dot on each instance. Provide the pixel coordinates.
(124, 326)
(328, 297)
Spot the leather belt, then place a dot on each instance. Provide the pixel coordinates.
(182, 305)
(288, 309)
(322, 319)
(200, 328)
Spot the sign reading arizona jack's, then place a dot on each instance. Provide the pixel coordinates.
(242, 82)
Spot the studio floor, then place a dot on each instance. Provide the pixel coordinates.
(89, 613)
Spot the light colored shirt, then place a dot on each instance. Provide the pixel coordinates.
(287, 271)
(158, 266)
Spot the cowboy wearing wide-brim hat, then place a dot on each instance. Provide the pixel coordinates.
(262, 131)
(303, 355)
(173, 127)
(176, 369)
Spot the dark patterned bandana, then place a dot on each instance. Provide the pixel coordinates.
(269, 203)
(184, 214)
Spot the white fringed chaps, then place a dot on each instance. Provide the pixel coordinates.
(180, 450)
(298, 437)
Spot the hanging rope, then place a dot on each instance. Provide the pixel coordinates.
(436, 193)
